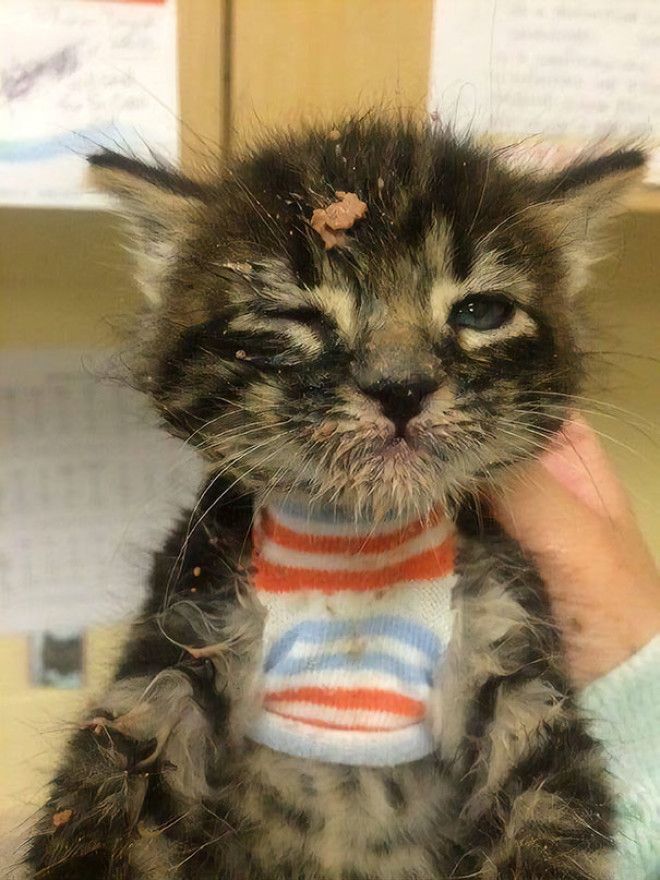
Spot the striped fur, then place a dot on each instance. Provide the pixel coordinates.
(284, 364)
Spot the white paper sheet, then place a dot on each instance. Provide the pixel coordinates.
(89, 487)
(75, 74)
(573, 70)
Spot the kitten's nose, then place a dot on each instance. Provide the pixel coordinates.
(402, 400)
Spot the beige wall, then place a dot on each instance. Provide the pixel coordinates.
(625, 303)
(63, 277)
(353, 54)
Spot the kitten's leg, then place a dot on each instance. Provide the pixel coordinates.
(550, 817)
(149, 757)
(93, 823)
(140, 766)
(538, 805)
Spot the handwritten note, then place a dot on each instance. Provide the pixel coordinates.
(90, 487)
(76, 74)
(566, 70)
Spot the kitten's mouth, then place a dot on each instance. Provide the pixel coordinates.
(397, 444)
(398, 448)
(407, 446)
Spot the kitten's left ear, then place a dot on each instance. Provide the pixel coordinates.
(583, 198)
(160, 206)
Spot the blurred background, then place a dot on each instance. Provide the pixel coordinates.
(88, 483)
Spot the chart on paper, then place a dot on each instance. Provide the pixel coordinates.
(568, 72)
(75, 75)
(90, 486)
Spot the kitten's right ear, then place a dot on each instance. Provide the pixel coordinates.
(160, 206)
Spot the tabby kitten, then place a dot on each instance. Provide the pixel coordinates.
(344, 669)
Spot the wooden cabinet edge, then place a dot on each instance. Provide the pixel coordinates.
(203, 38)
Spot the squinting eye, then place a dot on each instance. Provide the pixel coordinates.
(482, 311)
(303, 315)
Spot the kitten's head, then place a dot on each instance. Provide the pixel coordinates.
(438, 341)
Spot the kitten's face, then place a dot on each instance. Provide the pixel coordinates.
(437, 344)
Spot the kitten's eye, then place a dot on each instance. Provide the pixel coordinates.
(482, 311)
(303, 315)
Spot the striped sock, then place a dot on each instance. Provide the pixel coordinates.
(358, 619)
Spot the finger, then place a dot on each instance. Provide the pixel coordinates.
(578, 462)
(568, 539)
(588, 549)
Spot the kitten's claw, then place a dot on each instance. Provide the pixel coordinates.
(207, 651)
(137, 734)
(134, 754)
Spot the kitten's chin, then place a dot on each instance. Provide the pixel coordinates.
(408, 448)
(372, 474)
(395, 478)
(397, 450)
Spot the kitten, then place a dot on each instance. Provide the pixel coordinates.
(344, 669)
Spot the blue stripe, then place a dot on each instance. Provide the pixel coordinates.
(67, 143)
(375, 660)
(328, 515)
(320, 631)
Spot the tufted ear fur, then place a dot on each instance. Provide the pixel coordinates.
(583, 198)
(160, 206)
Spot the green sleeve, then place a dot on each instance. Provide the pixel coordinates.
(625, 710)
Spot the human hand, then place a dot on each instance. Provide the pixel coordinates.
(571, 514)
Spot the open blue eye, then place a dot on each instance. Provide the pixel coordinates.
(482, 311)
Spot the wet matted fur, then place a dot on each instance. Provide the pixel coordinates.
(288, 365)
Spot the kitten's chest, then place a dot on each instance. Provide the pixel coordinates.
(329, 820)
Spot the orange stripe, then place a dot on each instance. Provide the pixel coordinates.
(318, 722)
(434, 562)
(371, 699)
(306, 543)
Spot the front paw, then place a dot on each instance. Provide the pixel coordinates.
(551, 862)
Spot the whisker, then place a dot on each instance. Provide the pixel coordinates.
(572, 398)
(231, 462)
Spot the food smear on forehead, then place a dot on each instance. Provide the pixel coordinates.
(332, 222)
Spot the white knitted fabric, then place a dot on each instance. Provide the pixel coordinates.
(358, 621)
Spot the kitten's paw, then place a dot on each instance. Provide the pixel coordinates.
(130, 754)
(143, 723)
(145, 728)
